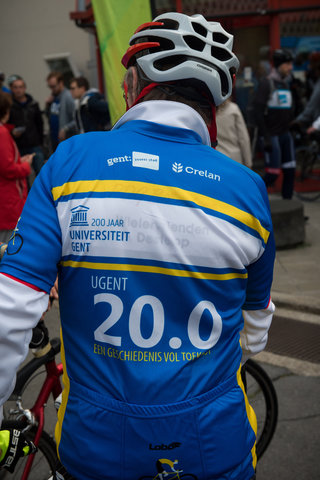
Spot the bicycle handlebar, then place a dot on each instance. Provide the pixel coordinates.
(27, 370)
(40, 337)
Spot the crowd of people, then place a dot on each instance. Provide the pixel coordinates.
(80, 109)
(279, 110)
(68, 111)
(282, 109)
(189, 258)
(23, 150)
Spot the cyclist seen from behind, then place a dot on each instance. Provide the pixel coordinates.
(165, 251)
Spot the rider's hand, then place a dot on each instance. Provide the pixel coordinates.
(27, 158)
(62, 135)
(3, 248)
(311, 130)
(13, 445)
(54, 295)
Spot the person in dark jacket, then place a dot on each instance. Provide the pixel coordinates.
(92, 112)
(60, 110)
(274, 112)
(25, 115)
(312, 109)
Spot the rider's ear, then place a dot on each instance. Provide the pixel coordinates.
(132, 86)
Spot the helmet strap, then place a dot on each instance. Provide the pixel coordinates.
(143, 93)
(213, 127)
(125, 96)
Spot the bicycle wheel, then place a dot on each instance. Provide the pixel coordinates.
(308, 197)
(263, 399)
(45, 459)
(305, 158)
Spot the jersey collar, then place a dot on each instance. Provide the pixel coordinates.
(172, 114)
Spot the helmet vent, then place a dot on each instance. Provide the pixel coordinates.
(169, 24)
(199, 29)
(219, 37)
(172, 61)
(220, 54)
(164, 64)
(165, 44)
(194, 42)
(224, 82)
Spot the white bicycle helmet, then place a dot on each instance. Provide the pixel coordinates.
(176, 47)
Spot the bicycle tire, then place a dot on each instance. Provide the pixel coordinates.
(45, 459)
(306, 159)
(267, 391)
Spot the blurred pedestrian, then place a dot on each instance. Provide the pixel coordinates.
(3, 88)
(13, 173)
(232, 133)
(273, 111)
(92, 111)
(26, 116)
(312, 109)
(60, 110)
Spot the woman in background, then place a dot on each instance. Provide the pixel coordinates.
(13, 174)
(232, 133)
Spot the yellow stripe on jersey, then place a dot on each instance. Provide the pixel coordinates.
(174, 193)
(65, 395)
(251, 416)
(152, 269)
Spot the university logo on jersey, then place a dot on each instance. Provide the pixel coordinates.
(79, 216)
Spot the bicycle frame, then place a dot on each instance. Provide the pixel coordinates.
(52, 385)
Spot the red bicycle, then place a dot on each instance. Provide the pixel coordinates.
(40, 465)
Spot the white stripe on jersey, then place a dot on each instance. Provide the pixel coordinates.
(154, 231)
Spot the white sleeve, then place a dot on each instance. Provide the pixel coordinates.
(21, 308)
(254, 335)
(316, 123)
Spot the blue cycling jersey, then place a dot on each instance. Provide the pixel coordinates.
(160, 242)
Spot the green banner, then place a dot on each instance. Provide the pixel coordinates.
(116, 21)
